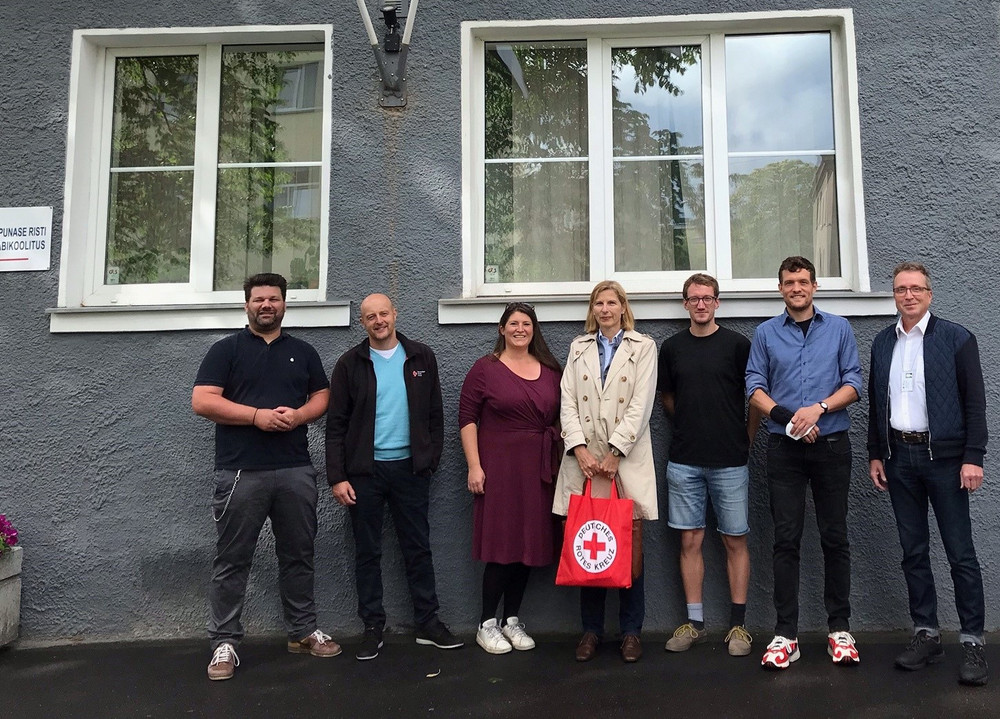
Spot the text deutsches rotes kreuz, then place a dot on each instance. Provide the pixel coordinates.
(595, 546)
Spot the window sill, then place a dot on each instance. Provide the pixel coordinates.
(167, 318)
(667, 306)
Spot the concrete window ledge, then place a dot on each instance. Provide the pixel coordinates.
(667, 306)
(166, 318)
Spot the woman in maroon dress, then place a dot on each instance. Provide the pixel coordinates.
(508, 415)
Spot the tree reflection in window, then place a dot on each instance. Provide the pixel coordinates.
(659, 202)
(151, 175)
(270, 143)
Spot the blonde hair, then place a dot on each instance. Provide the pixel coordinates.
(628, 320)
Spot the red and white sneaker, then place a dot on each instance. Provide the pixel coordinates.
(840, 647)
(780, 653)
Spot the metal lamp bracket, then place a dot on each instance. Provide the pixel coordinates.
(391, 53)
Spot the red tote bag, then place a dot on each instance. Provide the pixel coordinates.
(597, 541)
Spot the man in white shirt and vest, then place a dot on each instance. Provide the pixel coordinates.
(926, 440)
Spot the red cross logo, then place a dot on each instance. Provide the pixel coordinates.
(593, 546)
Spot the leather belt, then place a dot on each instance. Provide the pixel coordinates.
(911, 437)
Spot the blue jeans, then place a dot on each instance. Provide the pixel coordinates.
(689, 487)
(408, 497)
(288, 497)
(914, 478)
(631, 608)
(826, 466)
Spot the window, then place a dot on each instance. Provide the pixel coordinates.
(196, 157)
(647, 149)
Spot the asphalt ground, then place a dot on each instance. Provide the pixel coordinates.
(167, 679)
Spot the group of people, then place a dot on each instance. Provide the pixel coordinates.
(535, 432)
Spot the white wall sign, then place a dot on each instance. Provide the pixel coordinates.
(25, 238)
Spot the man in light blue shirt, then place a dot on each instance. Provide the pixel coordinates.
(803, 372)
(384, 438)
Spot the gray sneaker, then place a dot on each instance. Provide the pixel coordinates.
(739, 641)
(685, 637)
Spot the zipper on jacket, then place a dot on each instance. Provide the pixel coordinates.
(888, 428)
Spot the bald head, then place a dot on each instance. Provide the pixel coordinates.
(378, 317)
(375, 299)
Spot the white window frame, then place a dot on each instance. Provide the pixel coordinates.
(602, 34)
(85, 303)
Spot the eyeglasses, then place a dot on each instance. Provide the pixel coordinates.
(695, 301)
(915, 291)
(515, 305)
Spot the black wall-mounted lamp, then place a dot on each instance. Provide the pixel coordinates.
(391, 53)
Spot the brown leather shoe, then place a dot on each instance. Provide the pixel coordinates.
(587, 648)
(318, 644)
(631, 648)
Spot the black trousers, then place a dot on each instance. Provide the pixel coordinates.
(408, 497)
(826, 466)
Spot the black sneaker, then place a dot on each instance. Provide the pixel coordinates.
(922, 650)
(974, 670)
(435, 632)
(370, 644)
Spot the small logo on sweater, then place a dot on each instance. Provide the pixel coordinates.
(419, 372)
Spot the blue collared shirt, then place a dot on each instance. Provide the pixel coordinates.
(606, 349)
(797, 371)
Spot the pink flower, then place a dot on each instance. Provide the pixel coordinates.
(8, 534)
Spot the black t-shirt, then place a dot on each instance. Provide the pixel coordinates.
(707, 378)
(252, 372)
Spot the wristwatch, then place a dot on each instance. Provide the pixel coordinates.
(616, 452)
(825, 407)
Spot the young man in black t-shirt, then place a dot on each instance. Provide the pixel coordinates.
(701, 380)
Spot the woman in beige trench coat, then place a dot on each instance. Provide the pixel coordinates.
(607, 395)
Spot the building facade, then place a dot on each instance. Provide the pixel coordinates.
(540, 149)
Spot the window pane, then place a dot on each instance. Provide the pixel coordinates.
(149, 227)
(149, 213)
(536, 100)
(267, 220)
(155, 103)
(659, 216)
(779, 93)
(781, 207)
(536, 222)
(656, 101)
(271, 105)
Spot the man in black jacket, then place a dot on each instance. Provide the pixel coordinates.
(384, 436)
(926, 440)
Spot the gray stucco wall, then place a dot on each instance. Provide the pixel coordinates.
(106, 472)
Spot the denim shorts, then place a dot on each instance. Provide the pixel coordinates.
(689, 487)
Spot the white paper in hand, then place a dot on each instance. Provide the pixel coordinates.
(788, 431)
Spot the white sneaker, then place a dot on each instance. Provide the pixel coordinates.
(518, 638)
(490, 638)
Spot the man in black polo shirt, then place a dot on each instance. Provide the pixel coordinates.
(262, 387)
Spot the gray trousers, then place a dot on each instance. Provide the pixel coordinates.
(288, 497)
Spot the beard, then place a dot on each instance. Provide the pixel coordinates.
(268, 322)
